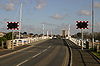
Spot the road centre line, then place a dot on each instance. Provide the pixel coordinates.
(22, 63)
(33, 56)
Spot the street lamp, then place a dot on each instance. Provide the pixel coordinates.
(92, 10)
(20, 19)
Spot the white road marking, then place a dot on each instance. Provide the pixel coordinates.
(32, 57)
(36, 55)
(22, 63)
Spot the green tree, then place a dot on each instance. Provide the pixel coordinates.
(8, 36)
(2, 39)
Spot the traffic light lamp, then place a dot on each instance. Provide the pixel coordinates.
(82, 24)
(13, 25)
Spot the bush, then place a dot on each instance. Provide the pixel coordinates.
(2, 39)
(8, 36)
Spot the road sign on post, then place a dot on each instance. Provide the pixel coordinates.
(82, 25)
(12, 26)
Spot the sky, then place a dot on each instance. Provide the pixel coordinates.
(54, 14)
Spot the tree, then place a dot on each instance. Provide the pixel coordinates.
(8, 36)
(25, 33)
(79, 35)
(31, 34)
(2, 39)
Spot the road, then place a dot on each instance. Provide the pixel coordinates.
(52, 52)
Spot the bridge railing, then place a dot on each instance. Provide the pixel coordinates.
(19, 42)
(76, 41)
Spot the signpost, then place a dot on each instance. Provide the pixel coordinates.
(13, 26)
(82, 25)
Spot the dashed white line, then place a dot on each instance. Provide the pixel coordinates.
(22, 63)
(49, 47)
(32, 57)
(36, 55)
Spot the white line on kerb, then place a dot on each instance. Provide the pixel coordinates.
(32, 57)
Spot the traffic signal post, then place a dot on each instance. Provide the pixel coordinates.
(12, 26)
(82, 25)
(82, 38)
(12, 45)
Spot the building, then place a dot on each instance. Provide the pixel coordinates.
(2, 34)
(63, 33)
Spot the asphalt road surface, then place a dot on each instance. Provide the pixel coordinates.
(52, 52)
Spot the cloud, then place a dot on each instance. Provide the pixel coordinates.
(9, 7)
(40, 4)
(97, 26)
(46, 23)
(13, 1)
(97, 4)
(1, 6)
(58, 16)
(85, 12)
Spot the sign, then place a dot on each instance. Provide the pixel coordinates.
(13, 26)
(82, 24)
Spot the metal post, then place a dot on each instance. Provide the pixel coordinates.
(82, 37)
(68, 31)
(12, 45)
(92, 23)
(43, 30)
(51, 30)
(47, 33)
(2, 44)
(20, 19)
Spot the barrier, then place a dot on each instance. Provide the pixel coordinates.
(18, 42)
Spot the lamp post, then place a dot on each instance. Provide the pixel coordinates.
(43, 30)
(20, 19)
(92, 17)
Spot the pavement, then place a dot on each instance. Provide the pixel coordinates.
(18, 48)
(82, 57)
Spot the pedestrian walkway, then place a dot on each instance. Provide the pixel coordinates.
(82, 57)
(6, 51)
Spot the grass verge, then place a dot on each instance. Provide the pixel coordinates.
(97, 54)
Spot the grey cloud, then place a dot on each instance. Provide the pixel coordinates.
(46, 23)
(40, 4)
(85, 12)
(97, 26)
(58, 16)
(9, 7)
(97, 4)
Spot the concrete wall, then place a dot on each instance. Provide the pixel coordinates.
(8, 44)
